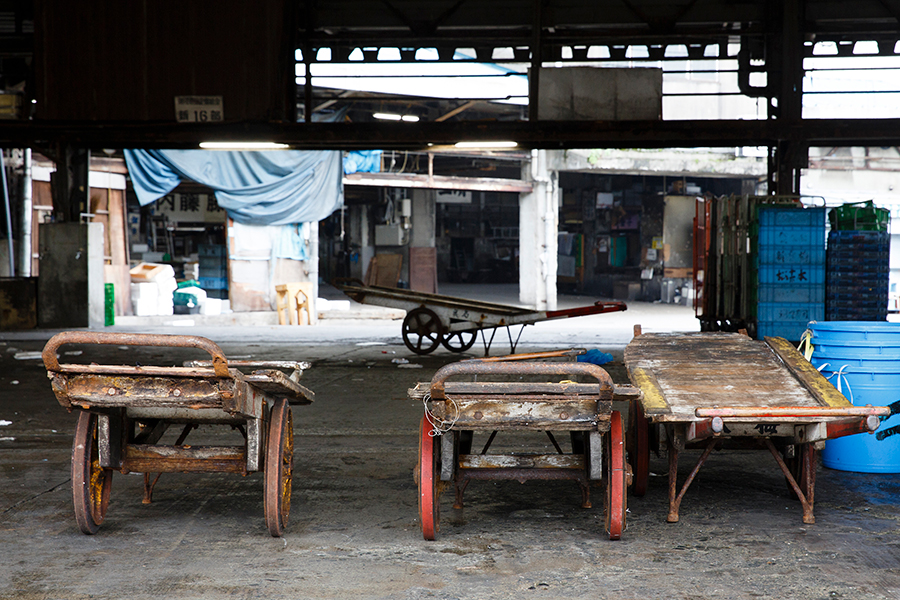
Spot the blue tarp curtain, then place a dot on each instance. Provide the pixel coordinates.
(255, 188)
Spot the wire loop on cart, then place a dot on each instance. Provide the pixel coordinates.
(438, 425)
(840, 375)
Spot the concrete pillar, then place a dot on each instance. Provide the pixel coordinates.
(70, 284)
(538, 227)
(423, 219)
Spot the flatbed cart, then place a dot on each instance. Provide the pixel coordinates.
(703, 390)
(124, 411)
(497, 397)
(433, 319)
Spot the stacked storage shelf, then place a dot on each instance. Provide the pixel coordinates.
(858, 270)
(791, 271)
(214, 270)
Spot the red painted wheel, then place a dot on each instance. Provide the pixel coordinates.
(429, 480)
(91, 483)
(617, 473)
(797, 468)
(279, 468)
(422, 331)
(640, 438)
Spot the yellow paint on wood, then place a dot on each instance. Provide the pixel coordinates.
(654, 400)
(806, 374)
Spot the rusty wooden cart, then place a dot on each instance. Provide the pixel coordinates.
(433, 320)
(703, 390)
(124, 412)
(501, 398)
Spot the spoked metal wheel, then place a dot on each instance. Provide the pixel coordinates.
(617, 473)
(459, 341)
(91, 483)
(429, 480)
(279, 468)
(640, 452)
(422, 330)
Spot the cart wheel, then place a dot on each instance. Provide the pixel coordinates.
(459, 341)
(279, 467)
(429, 480)
(615, 487)
(91, 483)
(422, 330)
(640, 438)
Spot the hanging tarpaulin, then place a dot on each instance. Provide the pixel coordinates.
(255, 187)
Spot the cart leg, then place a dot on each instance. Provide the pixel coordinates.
(640, 430)
(616, 485)
(91, 483)
(429, 480)
(675, 501)
(279, 468)
(807, 477)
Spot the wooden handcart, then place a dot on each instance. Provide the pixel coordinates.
(497, 397)
(433, 320)
(124, 412)
(703, 390)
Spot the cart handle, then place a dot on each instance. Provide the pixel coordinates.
(792, 411)
(51, 360)
(340, 282)
(532, 355)
(516, 368)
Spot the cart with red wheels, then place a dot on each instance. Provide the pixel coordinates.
(497, 396)
(715, 389)
(125, 411)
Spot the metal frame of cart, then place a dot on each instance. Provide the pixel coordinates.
(433, 319)
(501, 399)
(124, 411)
(701, 390)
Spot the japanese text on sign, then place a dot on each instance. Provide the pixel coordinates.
(199, 109)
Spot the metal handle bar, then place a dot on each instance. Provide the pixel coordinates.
(51, 361)
(532, 355)
(516, 368)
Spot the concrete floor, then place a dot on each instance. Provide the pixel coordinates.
(354, 531)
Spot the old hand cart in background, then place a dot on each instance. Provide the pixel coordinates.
(124, 411)
(433, 320)
(501, 398)
(701, 390)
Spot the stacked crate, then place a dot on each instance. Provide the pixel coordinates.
(213, 270)
(791, 271)
(857, 278)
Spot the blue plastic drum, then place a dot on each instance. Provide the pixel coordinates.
(862, 360)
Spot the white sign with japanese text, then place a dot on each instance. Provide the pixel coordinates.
(190, 208)
(199, 109)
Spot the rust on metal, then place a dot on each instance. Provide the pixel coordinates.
(604, 388)
(51, 361)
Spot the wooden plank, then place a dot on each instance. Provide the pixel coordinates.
(820, 388)
(423, 269)
(654, 400)
(521, 461)
(276, 383)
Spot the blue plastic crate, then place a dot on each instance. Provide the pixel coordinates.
(789, 330)
(214, 283)
(791, 236)
(216, 271)
(792, 217)
(865, 237)
(211, 250)
(790, 311)
(791, 293)
(784, 275)
(810, 254)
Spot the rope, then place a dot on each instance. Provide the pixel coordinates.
(840, 375)
(438, 425)
(806, 340)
